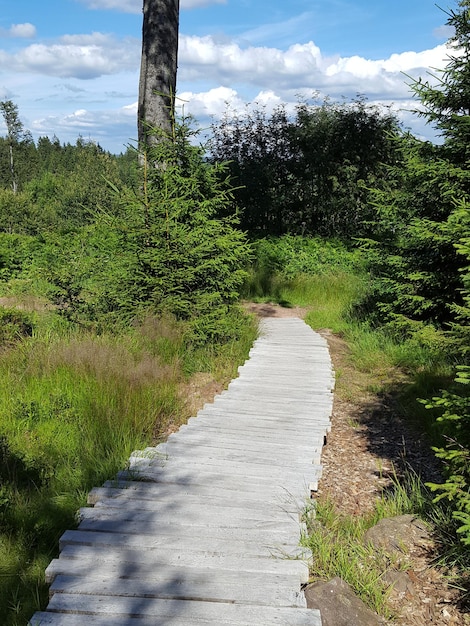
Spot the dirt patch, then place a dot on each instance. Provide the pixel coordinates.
(26, 303)
(201, 388)
(269, 309)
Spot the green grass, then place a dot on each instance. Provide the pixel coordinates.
(73, 406)
(338, 549)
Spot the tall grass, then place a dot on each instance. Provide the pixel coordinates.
(73, 406)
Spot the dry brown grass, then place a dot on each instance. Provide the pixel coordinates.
(104, 361)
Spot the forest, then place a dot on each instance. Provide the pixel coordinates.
(121, 281)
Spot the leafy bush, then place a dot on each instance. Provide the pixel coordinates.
(285, 259)
(308, 173)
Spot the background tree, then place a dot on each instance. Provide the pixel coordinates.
(310, 173)
(258, 148)
(15, 135)
(157, 83)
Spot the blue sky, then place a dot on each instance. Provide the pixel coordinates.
(72, 66)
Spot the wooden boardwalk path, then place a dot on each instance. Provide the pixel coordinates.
(205, 528)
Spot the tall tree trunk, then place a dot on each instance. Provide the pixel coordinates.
(14, 184)
(159, 63)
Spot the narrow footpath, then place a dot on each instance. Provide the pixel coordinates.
(205, 528)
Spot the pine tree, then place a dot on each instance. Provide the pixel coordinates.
(425, 267)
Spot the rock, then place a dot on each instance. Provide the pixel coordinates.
(400, 582)
(339, 605)
(397, 535)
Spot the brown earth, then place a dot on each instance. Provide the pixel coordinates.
(368, 445)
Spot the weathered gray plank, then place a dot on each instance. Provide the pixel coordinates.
(132, 559)
(166, 492)
(70, 619)
(225, 543)
(191, 584)
(194, 612)
(189, 474)
(229, 517)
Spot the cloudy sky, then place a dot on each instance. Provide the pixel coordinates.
(72, 66)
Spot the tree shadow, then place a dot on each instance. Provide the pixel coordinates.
(403, 440)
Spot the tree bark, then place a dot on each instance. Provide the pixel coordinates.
(159, 64)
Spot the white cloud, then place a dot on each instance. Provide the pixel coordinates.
(135, 6)
(229, 62)
(103, 127)
(301, 66)
(20, 31)
(78, 56)
(396, 63)
(212, 103)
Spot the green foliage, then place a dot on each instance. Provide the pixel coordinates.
(338, 550)
(176, 254)
(415, 264)
(286, 259)
(293, 255)
(445, 98)
(258, 149)
(454, 409)
(14, 210)
(309, 174)
(77, 266)
(16, 255)
(421, 291)
(59, 187)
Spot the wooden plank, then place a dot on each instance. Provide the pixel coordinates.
(231, 458)
(168, 492)
(192, 584)
(214, 515)
(189, 474)
(119, 499)
(254, 468)
(131, 560)
(118, 569)
(231, 543)
(194, 612)
(58, 619)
